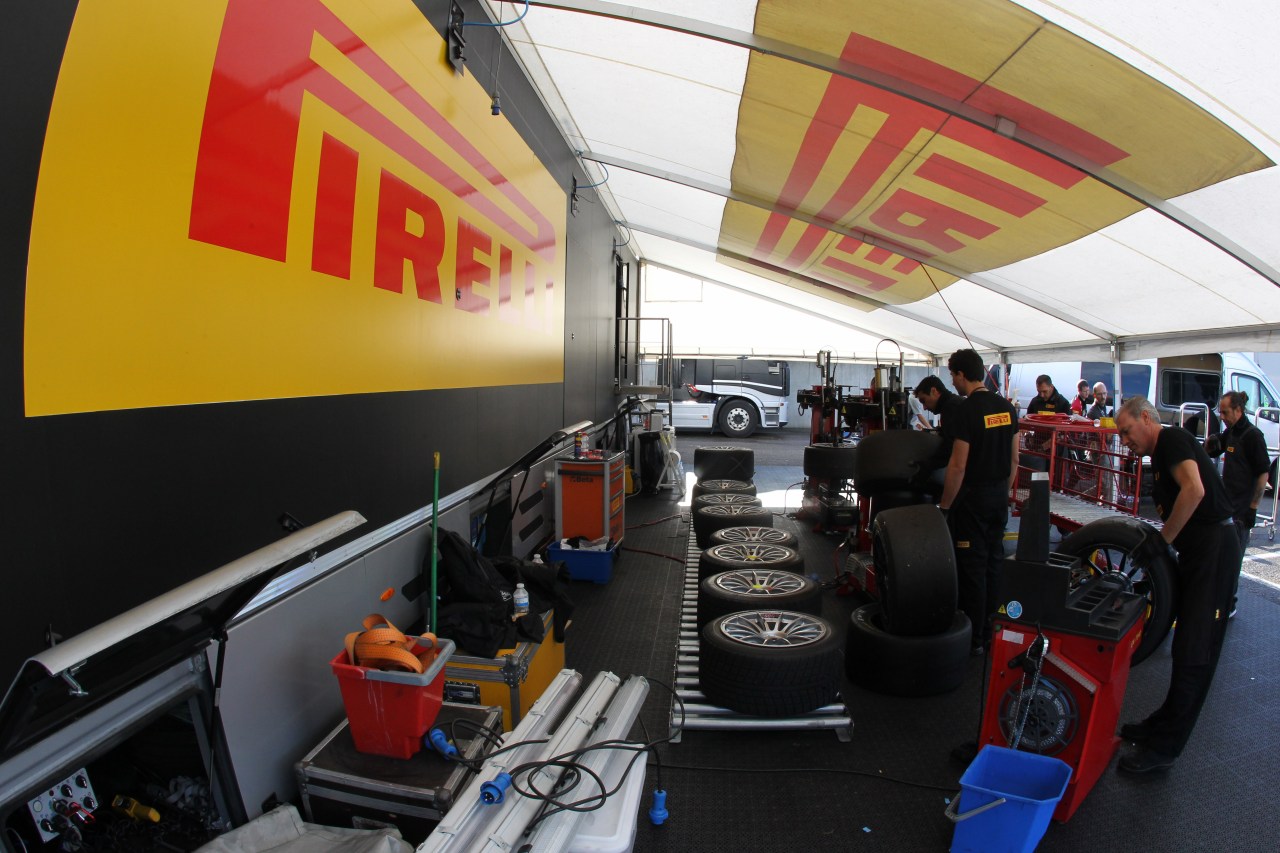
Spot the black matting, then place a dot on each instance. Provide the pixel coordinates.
(888, 788)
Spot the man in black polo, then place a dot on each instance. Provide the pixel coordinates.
(1191, 499)
(975, 494)
(1047, 400)
(1245, 466)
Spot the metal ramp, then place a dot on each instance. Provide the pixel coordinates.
(701, 715)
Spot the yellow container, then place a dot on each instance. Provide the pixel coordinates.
(513, 678)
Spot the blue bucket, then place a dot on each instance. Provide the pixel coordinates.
(1006, 800)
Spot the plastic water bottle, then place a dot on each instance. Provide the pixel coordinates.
(521, 600)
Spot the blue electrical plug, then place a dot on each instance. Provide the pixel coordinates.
(658, 813)
(495, 791)
(437, 739)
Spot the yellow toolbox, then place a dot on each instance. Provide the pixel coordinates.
(513, 678)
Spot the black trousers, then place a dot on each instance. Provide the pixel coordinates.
(1243, 529)
(1207, 566)
(977, 519)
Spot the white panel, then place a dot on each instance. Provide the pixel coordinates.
(992, 317)
(1221, 56)
(1146, 275)
(642, 93)
(665, 206)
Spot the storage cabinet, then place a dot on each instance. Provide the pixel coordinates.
(591, 497)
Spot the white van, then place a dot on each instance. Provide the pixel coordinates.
(1169, 383)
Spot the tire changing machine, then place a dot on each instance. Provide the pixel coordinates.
(698, 713)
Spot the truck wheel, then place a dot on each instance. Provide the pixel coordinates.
(763, 535)
(736, 487)
(916, 563)
(889, 459)
(725, 499)
(738, 418)
(770, 663)
(752, 589)
(723, 462)
(834, 461)
(905, 666)
(1131, 549)
(744, 556)
(709, 519)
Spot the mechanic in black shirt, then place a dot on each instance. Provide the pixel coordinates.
(935, 397)
(1047, 400)
(1191, 499)
(975, 494)
(1245, 467)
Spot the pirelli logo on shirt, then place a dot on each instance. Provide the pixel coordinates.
(993, 421)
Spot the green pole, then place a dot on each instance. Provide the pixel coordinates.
(435, 529)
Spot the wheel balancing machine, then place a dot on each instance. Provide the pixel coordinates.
(1060, 651)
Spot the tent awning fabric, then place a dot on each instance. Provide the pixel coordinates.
(1081, 178)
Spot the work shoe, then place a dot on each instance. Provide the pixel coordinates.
(1136, 732)
(977, 651)
(1144, 760)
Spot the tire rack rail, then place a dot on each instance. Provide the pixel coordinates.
(698, 713)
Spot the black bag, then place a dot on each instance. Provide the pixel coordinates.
(474, 599)
(548, 588)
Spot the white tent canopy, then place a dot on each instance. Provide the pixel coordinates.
(671, 106)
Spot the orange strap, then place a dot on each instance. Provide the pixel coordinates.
(382, 646)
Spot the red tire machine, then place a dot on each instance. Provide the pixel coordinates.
(1060, 650)
(830, 501)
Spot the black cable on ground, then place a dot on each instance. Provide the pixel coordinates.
(655, 521)
(653, 553)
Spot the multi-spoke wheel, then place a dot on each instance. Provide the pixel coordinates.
(749, 589)
(1133, 551)
(770, 663)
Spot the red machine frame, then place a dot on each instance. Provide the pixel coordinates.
(1091, 475)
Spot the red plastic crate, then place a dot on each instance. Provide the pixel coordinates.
(391, 711)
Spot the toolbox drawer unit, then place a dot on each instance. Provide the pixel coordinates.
(343, 787)
(591, 497)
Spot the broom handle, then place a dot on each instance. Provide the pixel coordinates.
(435, 529)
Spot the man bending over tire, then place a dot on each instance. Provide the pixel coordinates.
(1191, 499)
(975, 494)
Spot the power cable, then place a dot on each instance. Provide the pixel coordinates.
(499, 23)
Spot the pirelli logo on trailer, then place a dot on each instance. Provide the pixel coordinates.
(244, 200)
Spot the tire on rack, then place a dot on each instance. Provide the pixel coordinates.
(1134, 549)
(724, 462)
(733, 487)
(764, 535)
(725, 499)
(744, 556)
(888, 460)
(755, 589)
(916, 570)
(834, 461)
(738, 418)
(905, 666)
(770, 663)
(709, 519)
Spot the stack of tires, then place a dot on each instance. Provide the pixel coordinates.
(724, 493)
(765, 649)
(913, 641)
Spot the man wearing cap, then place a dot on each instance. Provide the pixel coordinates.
(1191, 499)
